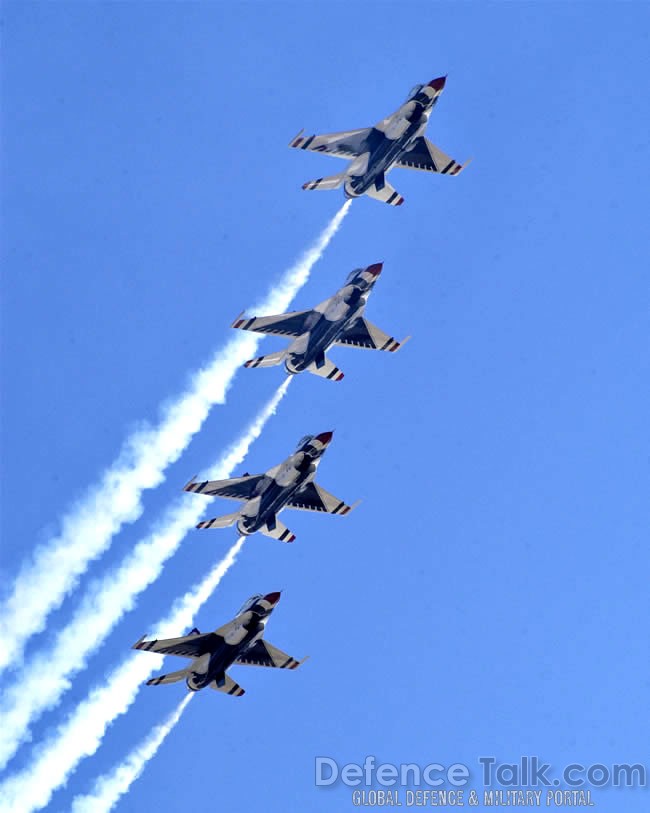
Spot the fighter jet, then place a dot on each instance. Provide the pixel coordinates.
(238, 641)
(337, 320)
(396, 141)
(289, 485)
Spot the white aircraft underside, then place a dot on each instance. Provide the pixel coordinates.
(396, 141)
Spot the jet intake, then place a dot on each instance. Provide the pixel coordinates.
(416, 114)
(352, 294)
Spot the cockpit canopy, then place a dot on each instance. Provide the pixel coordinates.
(304, 440)
(249, 603)
(350, 277)
(414, 91)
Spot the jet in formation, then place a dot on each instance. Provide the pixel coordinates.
(336, 321)
(288, 485)
(240, 641)
(396, 141)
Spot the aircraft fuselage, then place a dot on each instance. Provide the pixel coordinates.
(276, 492)
(244, 631)
(385, 146)
(310, 348)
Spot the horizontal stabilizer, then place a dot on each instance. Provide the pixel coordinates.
(271, 360)
(220, 522)
(279, 531)
(327, 370)
(331, 182)
(170, 677)
(229, 687)
(387, 194)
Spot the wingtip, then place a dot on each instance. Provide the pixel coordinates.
(296, 137)
(403, 342)
(351, 508)
(189, 483)
(136, 645)
(238, 321)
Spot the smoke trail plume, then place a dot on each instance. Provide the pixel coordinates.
(82, 732)
(109, 789)
(87, 529)
(48, 675)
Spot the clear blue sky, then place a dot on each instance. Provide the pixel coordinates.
(490, 596)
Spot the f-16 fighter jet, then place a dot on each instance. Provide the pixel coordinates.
(337, 320)
(238, 641)
(396, 141)
(289, 485)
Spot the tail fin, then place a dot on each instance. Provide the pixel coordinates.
(267, 361)
(387, 194)
(170, 677)
(276, 530)
(331, 182)
(220, 522)
(327, 370)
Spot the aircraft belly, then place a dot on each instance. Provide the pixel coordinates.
(234, 644)
(320, 340)
(385, 155)
(235, 635)
(280, 498)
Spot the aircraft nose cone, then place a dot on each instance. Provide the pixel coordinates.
(439, 83)
(272, 598)
(324, 437)
(375, 269)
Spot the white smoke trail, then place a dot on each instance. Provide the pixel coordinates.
(110, 788)
(81, 734)
(48, 675)
(87, 529)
